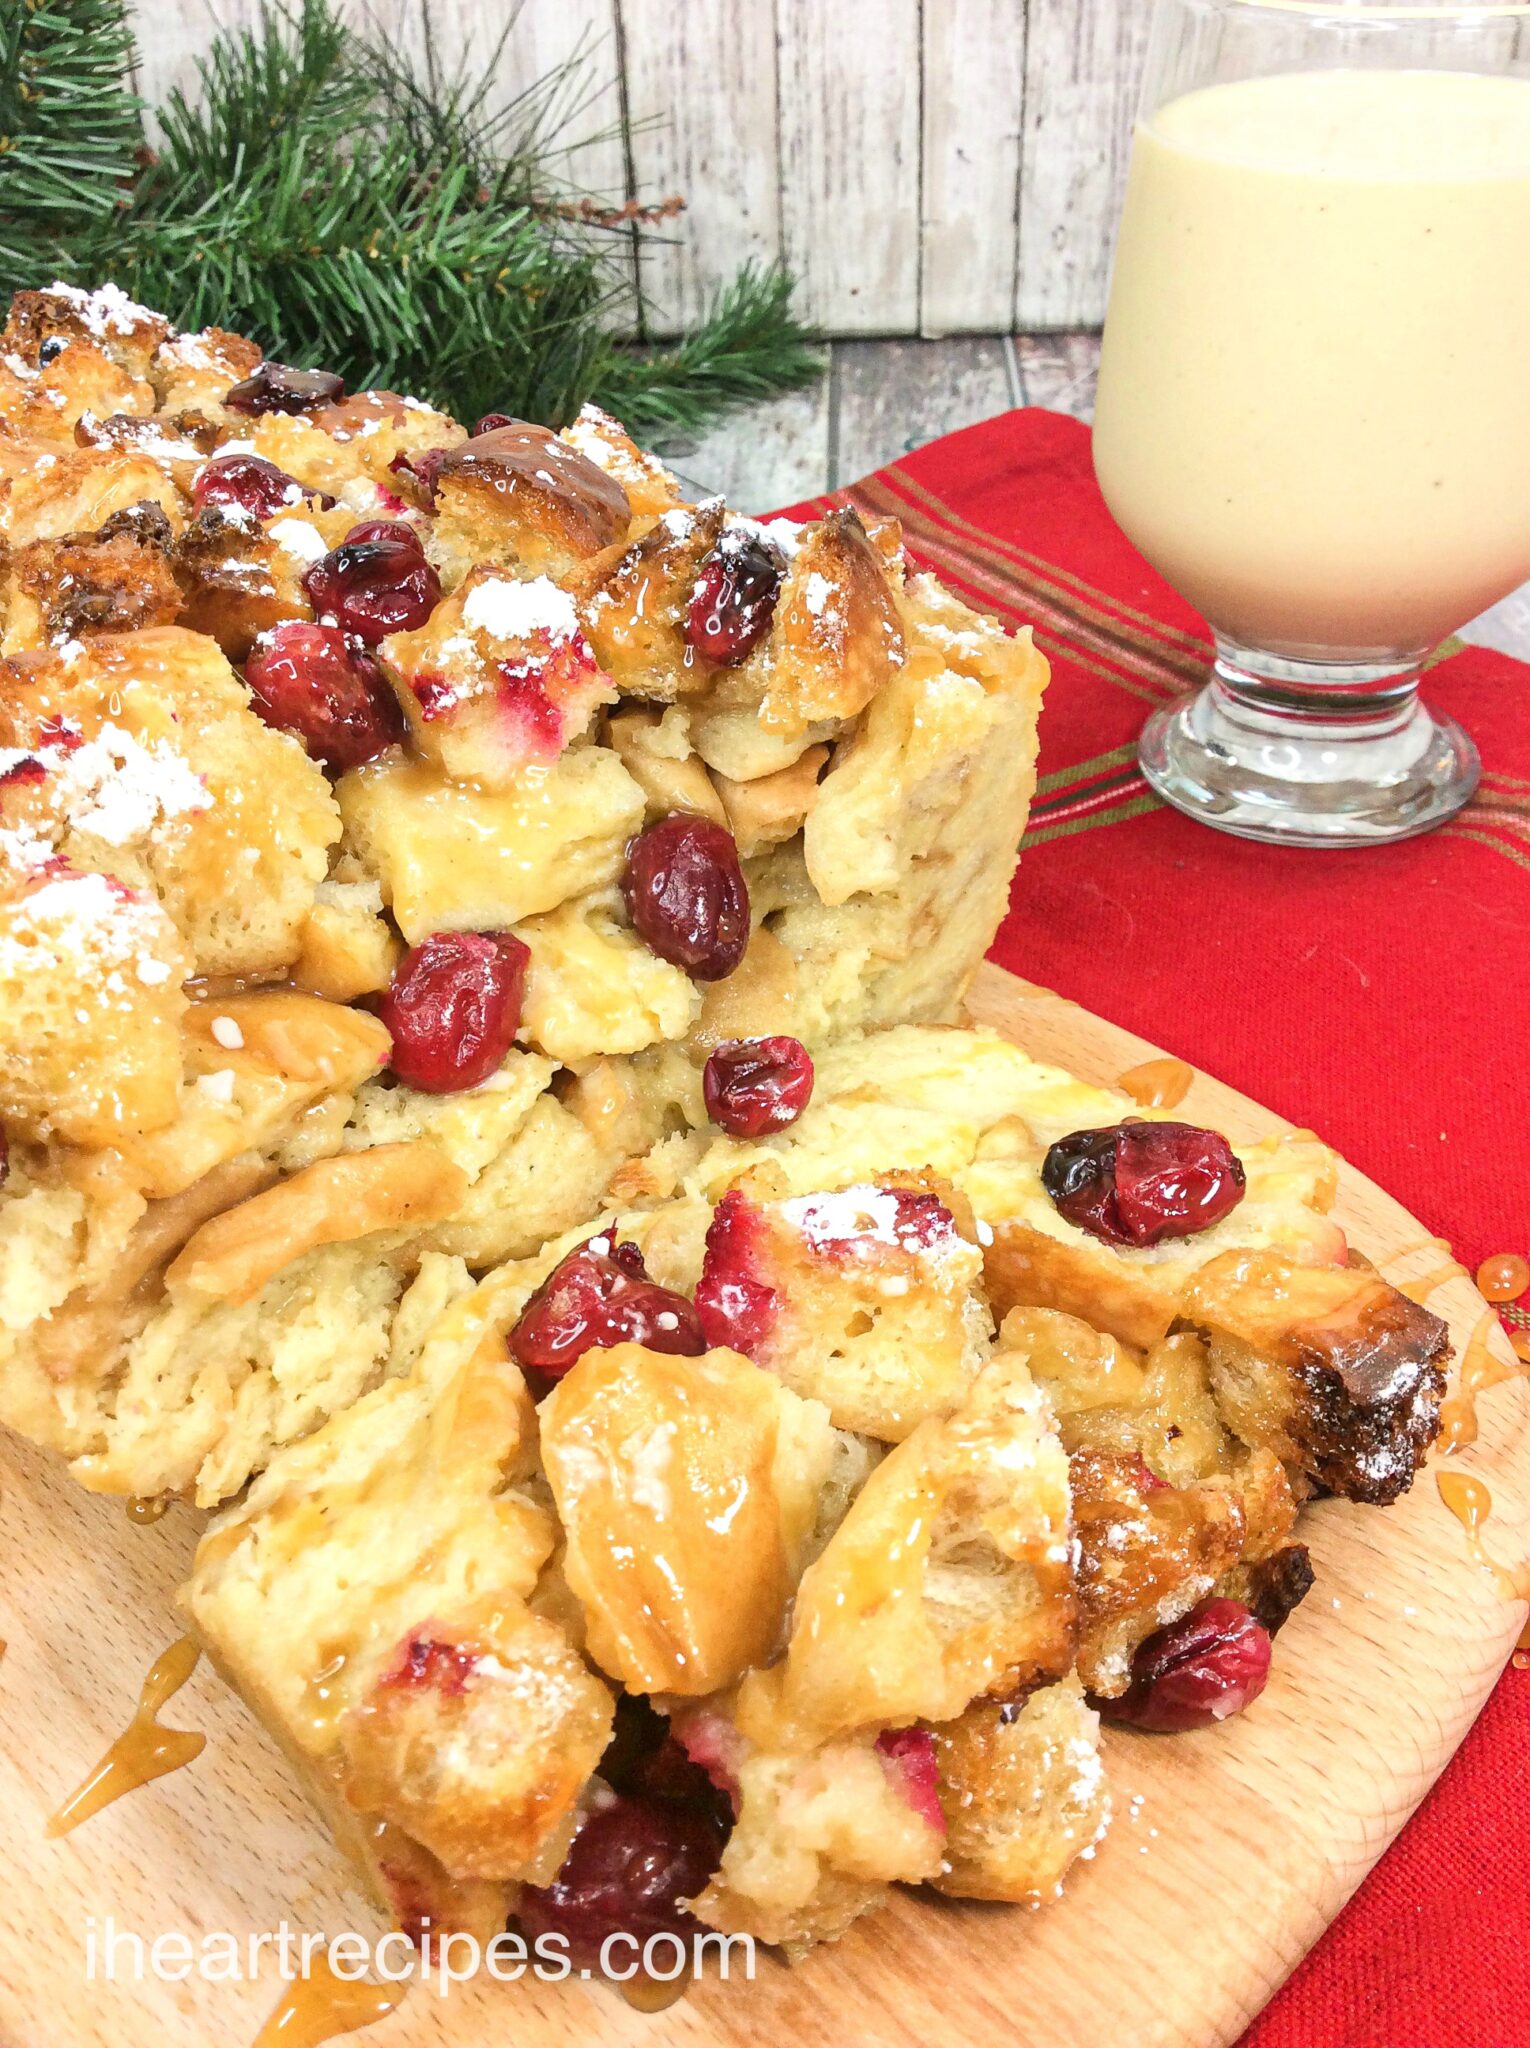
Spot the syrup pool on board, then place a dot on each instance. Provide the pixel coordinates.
(144, 1750)
(321, 2006)
(1157, 1084)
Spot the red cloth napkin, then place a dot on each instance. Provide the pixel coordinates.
(1368, 994)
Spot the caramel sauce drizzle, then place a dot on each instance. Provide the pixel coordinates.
(144, 1750)
(1470, 1502)
(321, 2005)
(651, 1994)
(147, 1508)
(1480, 1369)
(1158, 1084)
(1420, 1290)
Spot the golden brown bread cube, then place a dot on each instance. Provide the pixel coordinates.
(1022, 1786)
(88, 583)
(198, 370)
(77, 490)
(687, 1489)
(650, 488)
(1327, 1366)
(523, 495)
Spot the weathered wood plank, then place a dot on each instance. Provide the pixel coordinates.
(771, 455)
(1083, 64)
(1059, 370)
(974, 83)
(701, 93)
(896, 395)
(849, 143)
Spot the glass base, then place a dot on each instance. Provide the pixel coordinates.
(1309, 753)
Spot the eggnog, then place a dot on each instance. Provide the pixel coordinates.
(1314, 405)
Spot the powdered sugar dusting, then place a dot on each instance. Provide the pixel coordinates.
(82, 924)
(106, 310)
(511, 610)
(118, 789)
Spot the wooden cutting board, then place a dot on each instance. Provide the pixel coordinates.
(1230, 1851)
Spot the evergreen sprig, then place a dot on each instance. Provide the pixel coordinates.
(349, 211)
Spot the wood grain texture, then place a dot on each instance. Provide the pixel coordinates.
(1082, 72)
(1230, 1851)
(891, 396)
(973, 59)
(848, 87)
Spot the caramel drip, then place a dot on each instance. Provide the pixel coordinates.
(1480, 1369)
(146, 1509)
(651, 1994)
(1470, 1502)
(1519, 1344)
(321, 2005)
(1424, 1244)
(1157, 1084)
(1504, 1277)
(144, 1750)
(1420, 1290)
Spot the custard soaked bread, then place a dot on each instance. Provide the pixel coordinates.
(741, 1557)
(391, 820)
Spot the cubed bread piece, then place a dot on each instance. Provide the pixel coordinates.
(242, 578)
(950, 1577)
(688, 1490)
(368, 1600)
(655, 748)
(452, 857)
(90, 1009)
(1330, 1368)
(105, 319)
(78, 490)
(521, 494)
(500, 678)
(157, 770)
(867, 1299)
(650, 488)
(376, 432)
(347, 948)
(88, 583)
(200, 369)
(818, 1839)
(635, 599)
(593, 987)
(1022, 1786)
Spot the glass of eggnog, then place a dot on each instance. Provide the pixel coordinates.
(1314, 401)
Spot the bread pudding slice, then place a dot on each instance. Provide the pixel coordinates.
(313, 697)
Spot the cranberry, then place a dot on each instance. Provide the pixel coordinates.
(909, 1754)
(250, 483)
(277, 387)
(736, 1305)
(626, 1872)
(376, 582)
(735, 598)
(1138, 1183)
(453, 1006)
(1205, 1667)
(313, 681)
(755, 1085)
(600, 1294)
(28, 768)
(491, 422)
(422, 464)
(687, 897)
(426, 1664)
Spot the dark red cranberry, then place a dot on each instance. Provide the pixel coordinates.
(626, 1871)
(491, 422)
(376, 582)
(735, 597)
(252, 484)
(687, 897)
(453, 1007)
(277, 387)
(1206, 1667)
(28, 769)
(313, 681)
(736, 1304)
(1139, 1183)
(422, 464)
(596, 1296)
(427, 1664)
(910, 1757)
(755, 1085)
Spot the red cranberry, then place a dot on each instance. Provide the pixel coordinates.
(735, 597)
(755, 1085)
(422, 464)
(600, 1295)
(453, 1007)
(687, 897)
(427, 1664)
(909, 1754)
(736, 1304)
(313, 681)
(277, 387)
(376, 582)
(28, 769)
(491, 423)
(1139, 1183)
(626, 1872)
(251, 484)
(1206, 1667)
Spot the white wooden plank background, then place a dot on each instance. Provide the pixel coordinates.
(926, 166)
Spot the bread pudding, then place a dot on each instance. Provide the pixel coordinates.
(701, 1438)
